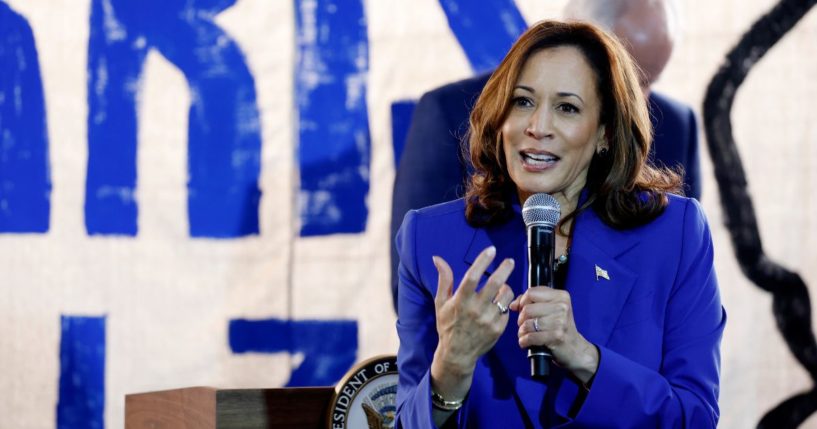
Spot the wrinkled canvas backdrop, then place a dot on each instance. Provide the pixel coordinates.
(167, 299)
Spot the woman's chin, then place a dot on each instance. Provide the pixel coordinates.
(537, 188)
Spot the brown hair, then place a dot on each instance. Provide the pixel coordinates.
(623, 189)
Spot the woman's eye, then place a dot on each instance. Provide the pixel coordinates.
(522, 101)
(568, 108)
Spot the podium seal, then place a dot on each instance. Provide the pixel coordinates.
(366, 396)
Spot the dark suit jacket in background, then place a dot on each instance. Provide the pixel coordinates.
(434, 164)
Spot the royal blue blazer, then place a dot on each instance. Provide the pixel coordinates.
(656, 318)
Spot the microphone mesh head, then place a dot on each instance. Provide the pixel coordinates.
(541, 209)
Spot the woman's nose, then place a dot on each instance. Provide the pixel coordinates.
(539, 124)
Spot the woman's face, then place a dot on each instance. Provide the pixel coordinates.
(552, 128)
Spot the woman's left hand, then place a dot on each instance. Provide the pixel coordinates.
(546, 319)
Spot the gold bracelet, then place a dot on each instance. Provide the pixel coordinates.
(438, 402)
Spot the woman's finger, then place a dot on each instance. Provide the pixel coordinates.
(559, 309)
(504, 297)
(542, 294)
(497, 279)
(516, 305)
(445, 280)
(530, 326)
(538, 324)
(474, 274)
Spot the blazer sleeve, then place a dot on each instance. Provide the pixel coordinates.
(683, 393)
(417, 330)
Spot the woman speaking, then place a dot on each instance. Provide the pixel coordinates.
(635, 320)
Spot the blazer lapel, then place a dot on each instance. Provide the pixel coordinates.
(479, 242)
(598, 283)
(510, 242)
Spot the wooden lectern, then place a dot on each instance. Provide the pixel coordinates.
(211, 408)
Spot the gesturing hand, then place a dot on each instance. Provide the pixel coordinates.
(469, 323)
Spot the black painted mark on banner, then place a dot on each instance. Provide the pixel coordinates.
(791, 306)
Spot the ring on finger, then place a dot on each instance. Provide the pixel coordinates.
(502, 308)
(536, 325)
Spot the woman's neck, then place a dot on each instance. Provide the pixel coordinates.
(567, 201)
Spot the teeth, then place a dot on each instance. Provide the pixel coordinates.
(540, 157)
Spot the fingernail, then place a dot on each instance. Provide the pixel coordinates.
(435, 259)
(491, 251)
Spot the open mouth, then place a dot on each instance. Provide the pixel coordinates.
(539, 159)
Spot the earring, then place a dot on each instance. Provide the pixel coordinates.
(603, 152)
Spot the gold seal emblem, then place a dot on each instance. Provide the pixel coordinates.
(366, 397)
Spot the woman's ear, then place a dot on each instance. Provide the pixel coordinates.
(602, 133)
(603, 138)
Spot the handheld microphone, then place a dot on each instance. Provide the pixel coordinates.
(541, 214)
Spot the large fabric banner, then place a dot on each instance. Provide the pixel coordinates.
(198, 192)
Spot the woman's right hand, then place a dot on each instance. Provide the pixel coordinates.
(469, 323)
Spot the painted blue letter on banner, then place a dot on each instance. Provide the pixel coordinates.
(333, 123)
(329, 346)
(25, 184)
(224, 139)
(486, 29)
(81, 402)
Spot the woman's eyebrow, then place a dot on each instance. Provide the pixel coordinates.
(570, 94)
(560, 94)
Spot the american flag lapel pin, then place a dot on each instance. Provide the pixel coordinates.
(601, 273)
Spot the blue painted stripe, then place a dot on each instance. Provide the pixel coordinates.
(401, 113)
(224, 137)
(114, 66)
(329, 346)
(81, 403)
(486, 29)
(333, 129)
(25, 183)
